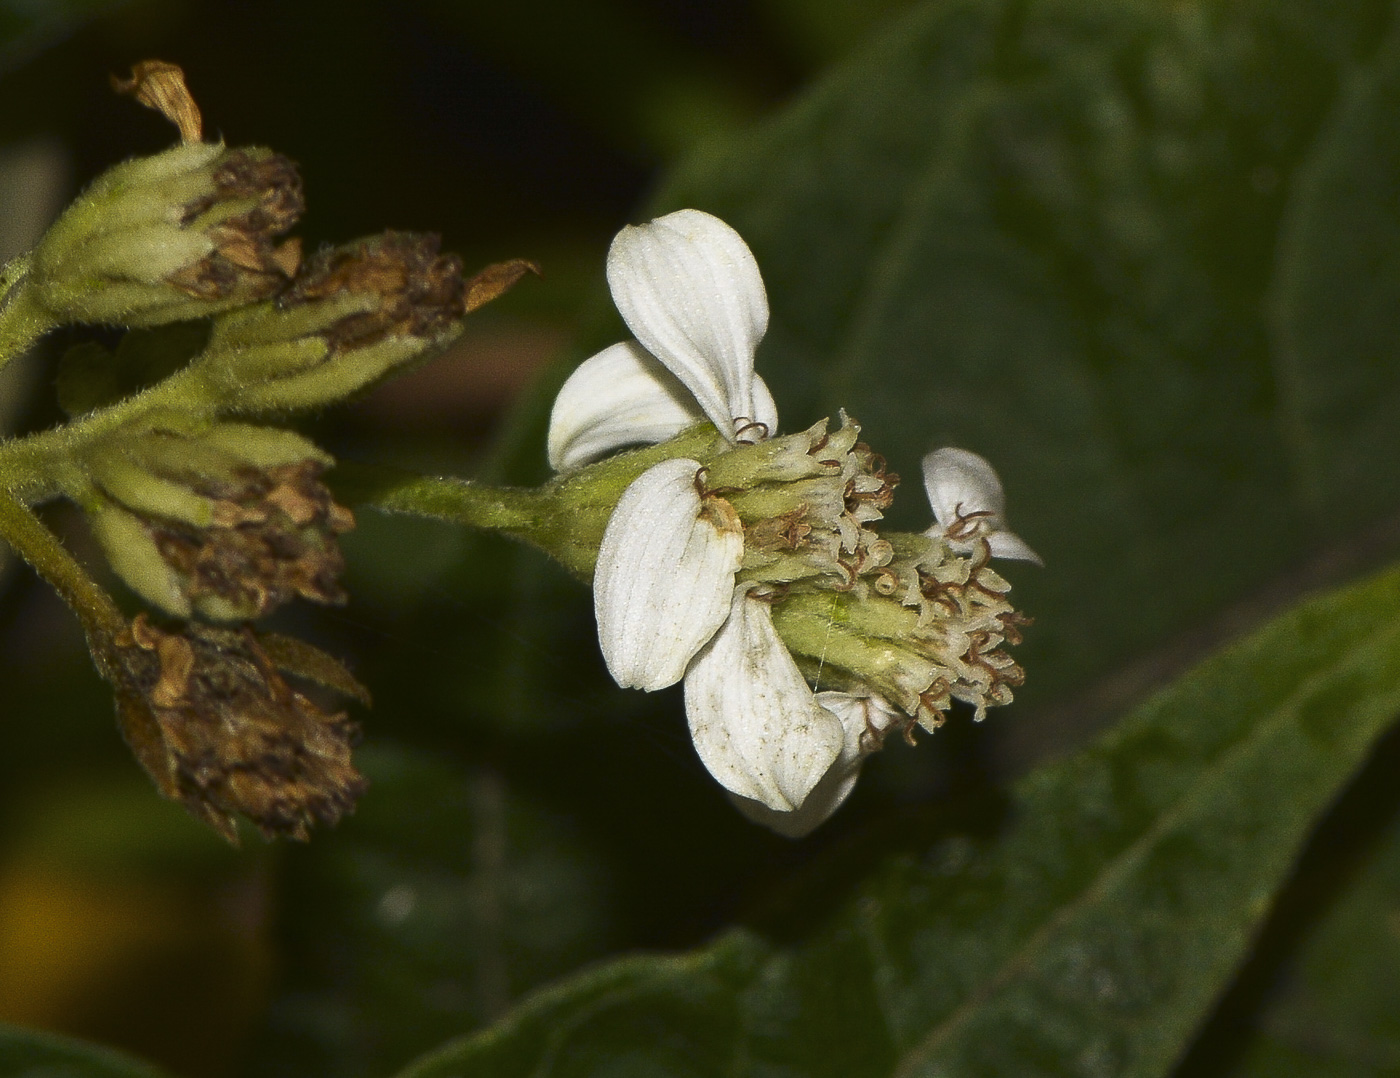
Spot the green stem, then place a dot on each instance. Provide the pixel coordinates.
(513, 510)
(565, 518)
(41, 549)
(35, 467)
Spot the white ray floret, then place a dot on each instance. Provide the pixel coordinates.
(690, 291)
(622, 396)
(864, 719)
(664, 576)
(961, 484)
(756, 725)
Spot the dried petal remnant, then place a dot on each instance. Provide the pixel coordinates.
(418, 291)
(221, 732)
(256, 198)
(161, 86)
(273, 539)
(496, 280)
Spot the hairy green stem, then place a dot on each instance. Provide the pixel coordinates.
(41, 549)
(565, 518)
(34, 467)
(513, 510)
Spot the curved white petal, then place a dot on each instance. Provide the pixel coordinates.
(962, 484)
(826, 797)
(690, 291)
(1012, 547)
(664, 576)
(622, 396)
(858, 714)
(756, 725)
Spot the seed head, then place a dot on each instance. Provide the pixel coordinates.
(220, 731)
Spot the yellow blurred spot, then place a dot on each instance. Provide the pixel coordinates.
(168, 971)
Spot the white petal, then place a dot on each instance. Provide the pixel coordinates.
(960, 483)
(826, 797)
(690, 291)
(664, 576)
(1012, 547)
(622, 396)
(756, 725)
(857, 714)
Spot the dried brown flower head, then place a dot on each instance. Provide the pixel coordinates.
(274, 538)
(256, 197)
(220, 731)
(417, 291)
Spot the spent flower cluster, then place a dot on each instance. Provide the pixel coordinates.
(208, 508)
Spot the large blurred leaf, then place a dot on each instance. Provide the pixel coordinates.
(1321, 996)
(1337, 303)
(26, 1054)
(1089, 938)
(1098, 242)
(1047, 232)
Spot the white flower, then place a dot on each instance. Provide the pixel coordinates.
(968, 501)
(664, 584)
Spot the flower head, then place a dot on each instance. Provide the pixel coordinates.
(664, 584)
(730, 568)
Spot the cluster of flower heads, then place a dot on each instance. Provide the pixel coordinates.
(758, 572)
(206, 517)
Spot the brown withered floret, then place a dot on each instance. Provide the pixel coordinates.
(247, 257)
(221, 732)
(420, 291)
(495, 280)
(273, 539)
(988, 667)
(784, 532)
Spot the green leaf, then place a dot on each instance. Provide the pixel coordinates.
(1322, 994)
(1336, 295)
(27, 1054)
(1089, 937)
(1046, 232)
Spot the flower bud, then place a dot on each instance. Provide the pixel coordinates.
(183, 234)
(353, 314)
(219, 730)
(229, 523)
